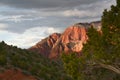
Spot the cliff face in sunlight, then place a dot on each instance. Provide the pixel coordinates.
(71, 40)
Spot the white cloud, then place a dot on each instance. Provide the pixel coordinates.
(76, 12)
(19, 18)
(16, 18)
(91, 10)
(3, 26)
(51, 30)
(28, 38)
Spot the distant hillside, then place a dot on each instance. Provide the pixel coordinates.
(19, 64)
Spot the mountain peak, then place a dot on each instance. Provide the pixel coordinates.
(71, 40)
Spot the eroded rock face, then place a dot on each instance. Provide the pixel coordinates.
(71, 40)
(44, 46)
(74, 33)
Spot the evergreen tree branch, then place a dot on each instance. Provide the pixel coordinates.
(110, 67)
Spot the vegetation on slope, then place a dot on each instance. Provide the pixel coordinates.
(30, 63)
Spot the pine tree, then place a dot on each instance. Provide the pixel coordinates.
(105, 49)
(111, 32)
(118, 3)
(101, 55)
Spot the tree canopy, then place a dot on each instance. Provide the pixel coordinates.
(101, 55)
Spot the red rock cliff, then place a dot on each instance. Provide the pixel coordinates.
(71, 40)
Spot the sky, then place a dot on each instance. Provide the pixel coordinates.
(25, 22)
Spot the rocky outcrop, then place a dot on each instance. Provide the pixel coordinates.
(44, 46)
(71, 40)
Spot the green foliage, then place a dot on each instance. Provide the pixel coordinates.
(71, 65)
(118, 3)
(3, 59)
(32, 63)
(111, 32)
(85, 68)
(100, 58)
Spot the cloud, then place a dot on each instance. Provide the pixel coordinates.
(18, 18)
(15, 18)
(89, 10)
(28, 38)
(38, 4)
(79, 13)
(3, 26)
